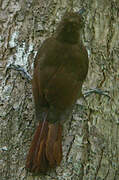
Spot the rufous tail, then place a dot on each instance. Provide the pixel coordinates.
(46, 148)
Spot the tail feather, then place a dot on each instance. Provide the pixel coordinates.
(46, 148)
(58, 147)
(54, 145)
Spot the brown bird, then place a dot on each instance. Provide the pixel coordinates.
(60, 69)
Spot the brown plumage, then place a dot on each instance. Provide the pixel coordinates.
(60, 69)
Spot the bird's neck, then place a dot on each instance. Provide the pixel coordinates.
(70, 37)
(67, 38)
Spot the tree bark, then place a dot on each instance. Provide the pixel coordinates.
(91, 136)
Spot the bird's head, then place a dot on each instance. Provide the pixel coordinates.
(69, 28)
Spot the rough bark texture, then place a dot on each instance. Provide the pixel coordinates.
(91, 137)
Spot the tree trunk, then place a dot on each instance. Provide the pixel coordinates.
(90, 141)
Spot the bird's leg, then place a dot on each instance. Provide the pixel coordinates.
(97, 91)
(21, 70)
